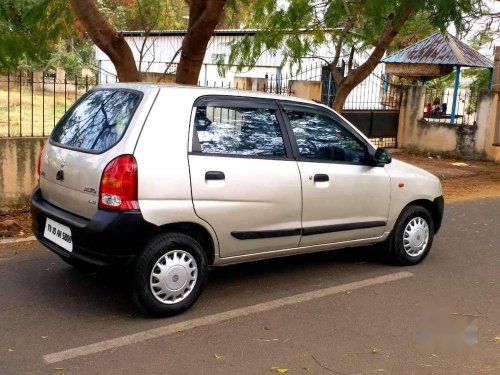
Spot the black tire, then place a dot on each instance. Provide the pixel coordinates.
(146, 261)
(395, 248)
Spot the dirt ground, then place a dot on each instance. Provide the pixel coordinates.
(22, 218)
(466, 180)
(461, 179)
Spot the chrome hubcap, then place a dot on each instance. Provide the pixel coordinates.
(416, 237)
(173, 277)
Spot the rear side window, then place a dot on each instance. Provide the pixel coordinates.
(237, 131)
(98, 121)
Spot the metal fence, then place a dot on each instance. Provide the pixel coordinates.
(438, 106)
(376, 92)
(31, 103)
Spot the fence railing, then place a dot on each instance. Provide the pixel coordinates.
(438, 106)
(376, 92)
(31, 103)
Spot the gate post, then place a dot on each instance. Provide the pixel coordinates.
(402, 117)
(370, 131)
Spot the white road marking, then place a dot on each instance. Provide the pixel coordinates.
(218, 318)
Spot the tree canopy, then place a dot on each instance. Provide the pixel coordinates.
(50, 33)
(47, 33)
(348, 27)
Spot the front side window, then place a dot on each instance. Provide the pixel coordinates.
(231, 130)
(319, 137)
(98, 121)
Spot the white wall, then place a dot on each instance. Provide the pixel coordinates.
(159, 50)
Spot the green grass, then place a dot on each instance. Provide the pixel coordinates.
(28, 116)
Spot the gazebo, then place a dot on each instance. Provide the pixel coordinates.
(435, 57)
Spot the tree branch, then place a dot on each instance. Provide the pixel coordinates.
(356, 76)
(107, 39)
(169, 64)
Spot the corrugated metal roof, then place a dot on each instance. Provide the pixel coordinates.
(440, 49)
(229, 32)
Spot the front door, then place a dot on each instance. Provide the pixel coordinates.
(245, 183)
(344, 198)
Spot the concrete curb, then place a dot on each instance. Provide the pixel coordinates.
(16, 240)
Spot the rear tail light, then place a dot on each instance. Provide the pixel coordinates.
(118, 190)
(39, 164)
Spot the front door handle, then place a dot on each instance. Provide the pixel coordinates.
(215, 176)
(321, 178)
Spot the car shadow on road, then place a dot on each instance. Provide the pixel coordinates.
(103, 293)
(334, 260)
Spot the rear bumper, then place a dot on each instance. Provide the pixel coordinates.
(439, 203)
(109, 238)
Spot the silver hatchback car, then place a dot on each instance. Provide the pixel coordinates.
(170, 180)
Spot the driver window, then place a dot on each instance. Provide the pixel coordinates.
(319, 137)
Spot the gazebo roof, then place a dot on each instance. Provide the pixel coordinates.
(440, 49)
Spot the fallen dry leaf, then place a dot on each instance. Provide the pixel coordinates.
(496, 339)
(179, 330)
(44, 337)
(218, 356)
(376, 350)
(10, 350)
(348, 292)
(58, 368)
(279, 370)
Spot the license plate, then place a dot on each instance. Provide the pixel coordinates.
(59, 234)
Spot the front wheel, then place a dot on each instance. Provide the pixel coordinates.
(412, 236)
(169, 275)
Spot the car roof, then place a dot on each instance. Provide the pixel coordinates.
(202, 90)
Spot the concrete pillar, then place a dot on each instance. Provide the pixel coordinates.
(37, 80)
(402, 118)
(305, 89)
(496, 88)
(60, 75)
(411, 111)
(496, 71)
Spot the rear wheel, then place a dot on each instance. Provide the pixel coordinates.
(169, 275)
(412, 236)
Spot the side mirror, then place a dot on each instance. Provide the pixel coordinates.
(380, 157)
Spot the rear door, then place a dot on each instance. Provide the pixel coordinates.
(81, 146)
(344, 198)
(245, 183)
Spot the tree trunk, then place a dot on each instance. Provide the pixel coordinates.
(204, 15)
(111, 42)
(358, 75)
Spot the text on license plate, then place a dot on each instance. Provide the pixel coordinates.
(59, 234)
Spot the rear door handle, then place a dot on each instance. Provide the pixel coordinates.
(215, 176)
(321, 178)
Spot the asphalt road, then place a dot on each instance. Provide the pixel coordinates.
(440, 317)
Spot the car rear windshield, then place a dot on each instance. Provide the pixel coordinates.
(98, 121)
